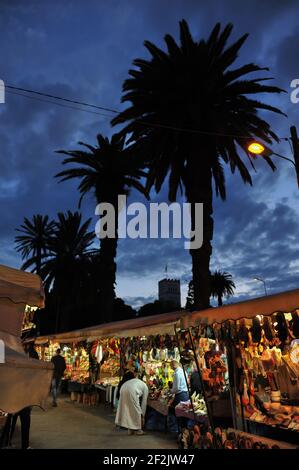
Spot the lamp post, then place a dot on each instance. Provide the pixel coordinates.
(257, 148)
(263, 281)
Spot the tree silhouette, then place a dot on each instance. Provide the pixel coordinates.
(33, 244)
(222, 284)
(189, 113)
(64, 268)
(108, 170)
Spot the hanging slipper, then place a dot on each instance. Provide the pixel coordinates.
(281, 327)
(268, 329)
(294, 324)
(243, 335)
(256, 330)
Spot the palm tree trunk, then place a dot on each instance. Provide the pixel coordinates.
(38, 260)
(220, 300)
(108, 251)
(199, 189)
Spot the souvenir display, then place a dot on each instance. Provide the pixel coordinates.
(211, 359)
(196, 404)
(46, 352)
(201, 438)
(77, 364)
(268, 371)
(76, 358)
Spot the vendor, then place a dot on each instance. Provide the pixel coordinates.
(179, 387)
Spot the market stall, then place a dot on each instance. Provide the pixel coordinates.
(77, 376)
(150, 349)
(147, 344)
(260, 338)
(23, 381)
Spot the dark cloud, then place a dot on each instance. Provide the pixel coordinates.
(83, 51)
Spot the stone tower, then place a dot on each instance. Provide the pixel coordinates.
(170, 291)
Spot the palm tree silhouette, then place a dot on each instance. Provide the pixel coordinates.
(34, 243)
(109, 170)
(189, 113)
(64, 267)
(222, 284)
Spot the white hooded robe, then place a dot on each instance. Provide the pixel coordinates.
(132, 404)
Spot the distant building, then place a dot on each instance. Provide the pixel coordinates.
(170, 291)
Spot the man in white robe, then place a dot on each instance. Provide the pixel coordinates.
(132, 406)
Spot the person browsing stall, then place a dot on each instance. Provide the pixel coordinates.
(132, 405)
(59, 368)
(179, 387)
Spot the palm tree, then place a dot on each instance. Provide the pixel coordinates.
(34, 243)
(63, 268)
(222, 284)
(190, 112)
(108, 170)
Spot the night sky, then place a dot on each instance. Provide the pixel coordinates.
(82, 50)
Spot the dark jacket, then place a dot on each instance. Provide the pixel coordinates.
(59, 366)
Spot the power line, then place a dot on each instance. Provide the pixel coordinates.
(114, 111)
(48, 95)
(57, 104)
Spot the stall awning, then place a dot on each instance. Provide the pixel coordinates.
(144, 326)
(21, 287)
(23, 381)
(282, 302)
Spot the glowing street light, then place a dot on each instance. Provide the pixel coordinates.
(256, 148)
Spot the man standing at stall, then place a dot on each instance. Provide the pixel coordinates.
(59, 368)
(132, 406)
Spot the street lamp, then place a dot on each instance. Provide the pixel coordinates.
(263, 281)
(257, 148)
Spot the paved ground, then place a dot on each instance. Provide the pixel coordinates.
(70, 426)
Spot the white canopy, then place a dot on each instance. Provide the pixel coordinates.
(143, 326)
(23, 381)
(267, 305)
(21, 287)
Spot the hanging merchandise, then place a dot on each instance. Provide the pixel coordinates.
(211, 360)
(47, 351)
(294, 324)
(77, 363)
(268, 376)
(107, 354)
